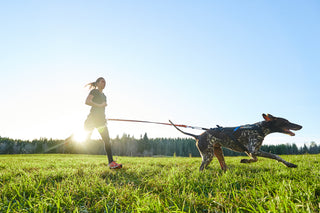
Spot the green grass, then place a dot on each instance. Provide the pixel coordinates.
(84, 183)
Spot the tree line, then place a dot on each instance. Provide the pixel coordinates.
(129, 146)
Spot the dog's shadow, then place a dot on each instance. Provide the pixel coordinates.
(239, 168)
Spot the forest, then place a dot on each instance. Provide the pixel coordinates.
(130, 146)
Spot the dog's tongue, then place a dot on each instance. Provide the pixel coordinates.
(289, 132)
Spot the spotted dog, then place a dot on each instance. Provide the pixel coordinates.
(246, 138)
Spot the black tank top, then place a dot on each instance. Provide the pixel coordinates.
(98, 98)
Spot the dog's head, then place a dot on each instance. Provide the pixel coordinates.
(280, 125)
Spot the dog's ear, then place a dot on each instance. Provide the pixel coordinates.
(267, 117)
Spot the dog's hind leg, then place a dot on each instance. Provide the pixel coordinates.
(206, 159)
(219, 154)
(275, 157)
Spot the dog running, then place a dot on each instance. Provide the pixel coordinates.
(247, 138)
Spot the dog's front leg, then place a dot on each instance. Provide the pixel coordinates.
(252, 160)
(275, 157)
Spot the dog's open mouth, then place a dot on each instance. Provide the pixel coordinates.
(294, 127)
(287, 131)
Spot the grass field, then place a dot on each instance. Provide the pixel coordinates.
(84, 183)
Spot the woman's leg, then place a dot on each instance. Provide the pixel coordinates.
(106, 139)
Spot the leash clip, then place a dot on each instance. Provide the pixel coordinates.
(220, 128)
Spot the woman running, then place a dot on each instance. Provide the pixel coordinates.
(97, 117)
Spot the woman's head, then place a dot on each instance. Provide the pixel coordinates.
(100, 83)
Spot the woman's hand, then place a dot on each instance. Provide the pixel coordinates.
(104, 104)
(91, 103)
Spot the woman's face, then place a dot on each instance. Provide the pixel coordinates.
(101, 84)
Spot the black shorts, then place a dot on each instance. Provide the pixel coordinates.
(94, 121)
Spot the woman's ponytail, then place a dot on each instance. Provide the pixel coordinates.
(93, 85)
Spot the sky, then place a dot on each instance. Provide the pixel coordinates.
(199, 63)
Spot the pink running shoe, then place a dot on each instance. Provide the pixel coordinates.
(114, 165)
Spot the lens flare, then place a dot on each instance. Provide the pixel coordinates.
(80, 136)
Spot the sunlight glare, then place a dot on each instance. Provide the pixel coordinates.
(80, 136)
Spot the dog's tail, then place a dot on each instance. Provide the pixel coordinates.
(186, 133)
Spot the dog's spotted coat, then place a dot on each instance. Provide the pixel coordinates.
(247, 139)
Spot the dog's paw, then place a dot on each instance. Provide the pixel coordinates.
(244, 161)
(291, 165)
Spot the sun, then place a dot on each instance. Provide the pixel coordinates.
(80, 136)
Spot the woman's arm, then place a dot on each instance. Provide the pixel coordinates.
(91, 103)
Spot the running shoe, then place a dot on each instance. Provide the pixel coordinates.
(114, 165)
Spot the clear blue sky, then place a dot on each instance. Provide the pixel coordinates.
(198, 63)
